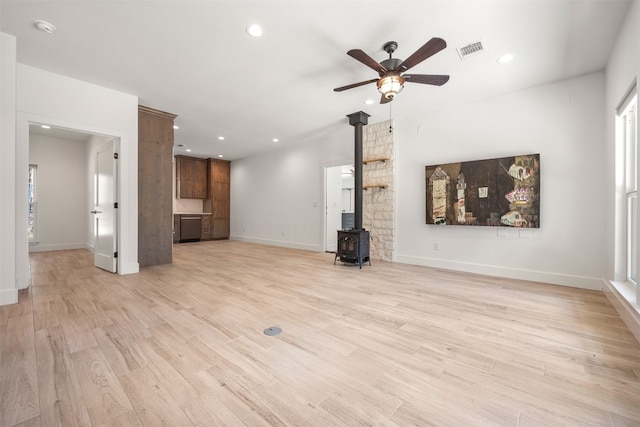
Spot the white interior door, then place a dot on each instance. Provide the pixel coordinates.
(104, 211)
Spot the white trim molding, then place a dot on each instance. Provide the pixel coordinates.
(279, 243)
(622, 298)
(573, 281)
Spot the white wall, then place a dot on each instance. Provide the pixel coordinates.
(61, 193)
(45, 97)
(277, 198)
(563, 121)
(8, 289)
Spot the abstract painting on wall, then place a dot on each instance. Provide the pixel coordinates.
(503, 192)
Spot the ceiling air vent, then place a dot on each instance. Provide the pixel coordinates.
(471, 49)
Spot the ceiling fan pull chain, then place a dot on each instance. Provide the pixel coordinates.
(390, 118)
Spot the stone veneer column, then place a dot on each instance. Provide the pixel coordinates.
(379, 203)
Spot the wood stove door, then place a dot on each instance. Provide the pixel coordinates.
(348, 246)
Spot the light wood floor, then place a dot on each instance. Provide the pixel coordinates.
(390, 345)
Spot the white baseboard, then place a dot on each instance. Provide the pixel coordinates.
(56, 247)
(280, 243)
(591, 283)
(131, 268)
(624, 303)
(8, 296)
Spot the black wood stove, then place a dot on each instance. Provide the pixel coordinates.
(353, 247)
(353, 244)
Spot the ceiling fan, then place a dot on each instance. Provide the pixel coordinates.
(391, 81)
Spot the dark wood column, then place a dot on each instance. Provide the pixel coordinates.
(155, 179)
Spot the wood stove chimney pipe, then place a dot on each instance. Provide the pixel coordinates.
(358, 120)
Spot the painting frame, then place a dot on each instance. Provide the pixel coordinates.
(498, 192)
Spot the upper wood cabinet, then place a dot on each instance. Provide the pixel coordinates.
(191, 178)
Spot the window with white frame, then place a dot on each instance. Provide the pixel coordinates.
(33, 208)
(628, 128)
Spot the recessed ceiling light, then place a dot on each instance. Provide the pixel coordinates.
(276, 140)
(45, 126)
(221, 138)
(506, 58)
(254, 30)
(369, 101)
(188, 150)
(45, 26)
(176, 127)
(220, 155)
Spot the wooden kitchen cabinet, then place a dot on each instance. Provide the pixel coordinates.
(176, 228)
(155, 176)
(219, 197)
(191, 177)
(206, 227)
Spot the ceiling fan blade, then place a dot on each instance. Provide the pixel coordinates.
(428, 49)
(367, 60)
(384, 100)
(427, 79)
(351, 86)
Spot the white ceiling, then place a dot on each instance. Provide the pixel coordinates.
(194, 58)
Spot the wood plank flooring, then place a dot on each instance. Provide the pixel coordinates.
(388, 345)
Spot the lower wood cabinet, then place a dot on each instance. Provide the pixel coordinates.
(176, 228)
(206, 227)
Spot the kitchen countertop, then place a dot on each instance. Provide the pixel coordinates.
(192, 213)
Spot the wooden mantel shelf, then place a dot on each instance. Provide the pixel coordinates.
(378, 159)
(380, 186)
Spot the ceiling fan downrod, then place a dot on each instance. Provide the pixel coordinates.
(390, 47)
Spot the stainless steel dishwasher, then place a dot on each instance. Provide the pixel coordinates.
(190, 228)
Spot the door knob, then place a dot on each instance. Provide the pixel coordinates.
(96, 212)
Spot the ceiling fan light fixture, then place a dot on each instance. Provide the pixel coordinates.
(390, 86)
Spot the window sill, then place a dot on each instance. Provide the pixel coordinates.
(624, 298)
(627, 292)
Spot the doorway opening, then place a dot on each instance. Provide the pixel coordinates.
(74, 174)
